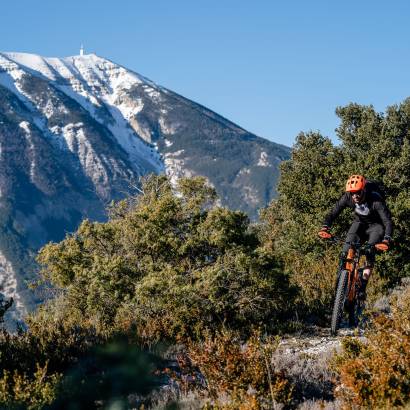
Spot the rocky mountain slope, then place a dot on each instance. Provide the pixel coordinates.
(78, 132)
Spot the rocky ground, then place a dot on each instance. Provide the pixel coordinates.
(307, 359)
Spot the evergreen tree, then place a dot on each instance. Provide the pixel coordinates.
(374, 144)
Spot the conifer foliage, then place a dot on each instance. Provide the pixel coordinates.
(171, 263)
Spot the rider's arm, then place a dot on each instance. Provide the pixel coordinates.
(341, 204)
(385, 216)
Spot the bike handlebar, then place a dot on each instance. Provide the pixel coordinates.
(356, 244)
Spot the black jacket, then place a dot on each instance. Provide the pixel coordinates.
(372, 210)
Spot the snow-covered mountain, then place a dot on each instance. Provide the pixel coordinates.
(78, 132)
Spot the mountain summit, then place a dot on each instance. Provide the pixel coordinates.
(78, 132)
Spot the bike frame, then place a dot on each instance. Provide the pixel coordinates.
(351, 264)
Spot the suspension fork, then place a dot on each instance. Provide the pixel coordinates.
(342, 262)
(347, 262)
(352, 265)
(342, 266)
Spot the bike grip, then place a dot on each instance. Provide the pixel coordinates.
(381, 246)
(324, 234)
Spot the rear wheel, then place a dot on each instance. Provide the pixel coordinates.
(341, 291)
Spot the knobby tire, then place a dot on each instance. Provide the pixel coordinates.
(341, 291)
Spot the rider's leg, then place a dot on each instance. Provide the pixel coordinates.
(375, 234)
(353, 235)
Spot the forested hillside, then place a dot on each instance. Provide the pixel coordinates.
(175, 290)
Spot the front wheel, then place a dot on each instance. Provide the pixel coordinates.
(341, 291)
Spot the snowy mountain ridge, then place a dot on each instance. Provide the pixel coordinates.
(93, 82)
(80, 131)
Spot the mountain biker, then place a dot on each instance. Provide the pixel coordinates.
(372, 221)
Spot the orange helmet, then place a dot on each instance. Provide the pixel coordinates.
(355, 183)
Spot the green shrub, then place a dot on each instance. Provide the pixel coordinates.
(32, 362)
(171, 263)
(54, 363)
(20, 391)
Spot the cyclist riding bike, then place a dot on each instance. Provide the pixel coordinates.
(372, 221)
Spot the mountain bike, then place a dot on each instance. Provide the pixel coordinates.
(348, 284)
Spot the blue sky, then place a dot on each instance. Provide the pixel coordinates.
(275, 68)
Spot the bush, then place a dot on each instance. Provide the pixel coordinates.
(241, 375)
(33, 361)
(18, 390)
(171, 263)
(52, 364)
(376, 373)
(47, 341)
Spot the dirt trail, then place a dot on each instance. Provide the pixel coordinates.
(306, 358)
